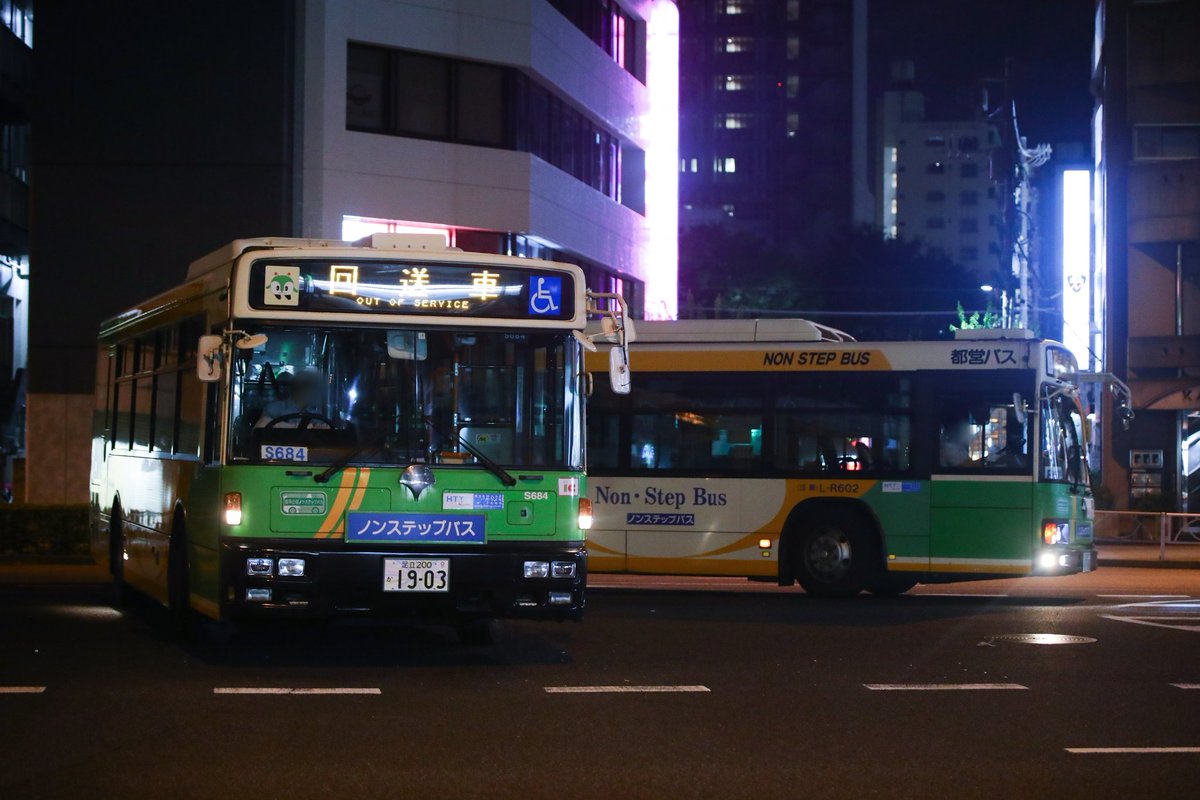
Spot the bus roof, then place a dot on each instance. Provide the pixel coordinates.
(738, 330)
(377, 241)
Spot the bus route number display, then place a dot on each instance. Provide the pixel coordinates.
(411, 288)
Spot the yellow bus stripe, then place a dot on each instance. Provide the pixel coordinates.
(330, 523)
(364, 477)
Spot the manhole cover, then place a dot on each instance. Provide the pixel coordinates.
(1041, 638)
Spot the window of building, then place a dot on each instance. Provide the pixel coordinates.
(991, 192)
(733, 83)
(968, 144)
(793, 86)
(725, 164)
(1166, 141)
(968, 254)
(400, 93)
(935, 167)
(969, 170)
(935, 224)
(610, 28)
(935, 197)
(968, 225)
(735, 44)
(734, 121)
(968, 198)
(793, 47)
(935, 140)
(793, 123)
(793, 10)
(727, 209)
(735, 7)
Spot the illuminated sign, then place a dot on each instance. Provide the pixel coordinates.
(407, 288)
(1077, 262)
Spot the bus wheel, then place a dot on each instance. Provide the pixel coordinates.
(178, 586)
(477, 632)
(833, 559)
(116, 558)
(890, 584)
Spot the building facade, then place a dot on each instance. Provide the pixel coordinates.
(774, 118)
(1146, 201)
(16, 105)
(533, 127)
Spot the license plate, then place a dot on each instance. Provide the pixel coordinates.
(416, 574)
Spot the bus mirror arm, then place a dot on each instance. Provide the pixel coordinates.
(210, 358)
(617, 327)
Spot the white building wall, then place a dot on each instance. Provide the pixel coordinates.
(390, 177)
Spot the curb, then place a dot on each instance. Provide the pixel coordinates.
(1131, 562)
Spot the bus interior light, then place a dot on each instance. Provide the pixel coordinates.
(233, 508)
(291, 567)
(585, 514)
(562, 569)
(536, 569)
(259, 566)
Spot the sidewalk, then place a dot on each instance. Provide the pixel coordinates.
(1145, 554)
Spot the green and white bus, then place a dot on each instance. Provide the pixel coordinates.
(311, 427)
(774, 450)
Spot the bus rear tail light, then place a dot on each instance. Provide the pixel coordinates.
(585, 514)
(233, 508)
(1054, 532)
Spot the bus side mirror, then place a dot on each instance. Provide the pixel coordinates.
(209, 358)
(618, 369)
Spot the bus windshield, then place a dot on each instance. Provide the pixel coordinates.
(380, 396)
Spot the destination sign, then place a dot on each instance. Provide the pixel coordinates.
(411, 288)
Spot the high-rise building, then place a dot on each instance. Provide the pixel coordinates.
(16, 93)
(530, 127)
(773, 124)
(1146, 287)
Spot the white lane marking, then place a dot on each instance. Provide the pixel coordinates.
(1135, 750)
(941, 687)
(622, 689)
(1186, 685)
(1152, 622)
(294, 690)
(1143, 596)
(22, 689)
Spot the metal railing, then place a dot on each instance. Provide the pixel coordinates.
(1147, 527)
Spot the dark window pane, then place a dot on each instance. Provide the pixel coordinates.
(422, 95)
(366, 88)
(166, 390)
(480, 104)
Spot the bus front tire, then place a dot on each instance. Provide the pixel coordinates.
(179, 604)
(116, 559)
(833, 559)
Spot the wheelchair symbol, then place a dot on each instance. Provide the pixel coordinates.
(544, 295)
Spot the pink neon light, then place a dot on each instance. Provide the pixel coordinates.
(660, 128)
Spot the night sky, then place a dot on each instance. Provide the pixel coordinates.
(953, 43)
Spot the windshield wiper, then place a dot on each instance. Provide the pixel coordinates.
(500, 472)
(341, 463)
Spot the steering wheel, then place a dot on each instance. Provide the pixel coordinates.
(304, 417)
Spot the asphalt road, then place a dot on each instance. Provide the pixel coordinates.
(669, 688)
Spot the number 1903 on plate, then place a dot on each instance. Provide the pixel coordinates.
(416, 574)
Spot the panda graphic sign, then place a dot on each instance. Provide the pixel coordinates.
(281, 286)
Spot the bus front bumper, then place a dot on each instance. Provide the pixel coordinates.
(1056, 561)
(337, 580)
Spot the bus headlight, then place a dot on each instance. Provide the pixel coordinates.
(291, 567)
(537, 569)
(233, 508)
(585, 514)
(562, 569)
(1049, 561)
(259, 566)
